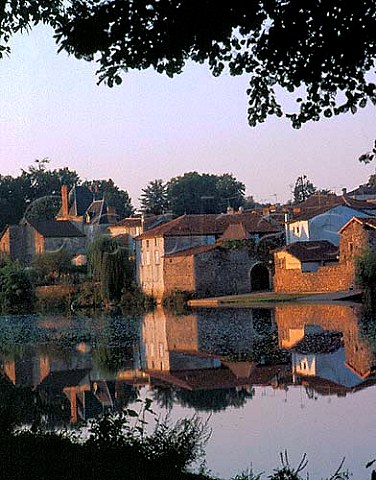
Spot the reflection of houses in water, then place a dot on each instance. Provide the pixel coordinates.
(168, 340)
(67, 379)
(187, 353)
(194, 341)
(329, 353)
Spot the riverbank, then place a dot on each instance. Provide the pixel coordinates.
(271, 298)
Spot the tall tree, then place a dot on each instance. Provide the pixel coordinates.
(154, 198)
(204, 193)
(114, 196)
(110, 264)
(303, 189)
(326, 48)
(35, 193)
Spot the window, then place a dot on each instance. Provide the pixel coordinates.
(156, 242)
(351, 248)
(156, 257)
(147, 243)
(147, 258)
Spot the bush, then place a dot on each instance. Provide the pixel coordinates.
(16, 290)
(117, 447)
(49, 267)
(365, 269)
(177, 300)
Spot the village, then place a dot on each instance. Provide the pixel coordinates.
(307, 247)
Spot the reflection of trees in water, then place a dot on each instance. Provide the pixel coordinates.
(114, 349)
(125, 395)
(164, 396)
(214, 400)
(236, 332)
(110, 360)
(265, 351)
(23, 405)
(368, 329)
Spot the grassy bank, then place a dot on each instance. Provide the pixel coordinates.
(248, 299)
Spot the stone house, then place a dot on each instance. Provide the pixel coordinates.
(182, 254)
(307, 256)
(328, 274)
(22, 242)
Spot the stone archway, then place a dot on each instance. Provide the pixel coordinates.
(260, 278)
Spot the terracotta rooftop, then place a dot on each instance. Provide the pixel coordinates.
(318, 204)
(312, 251)
(368, 222)
(193, 251)
(149, 221)
(235, 231)
(56, 228)
(210, 224)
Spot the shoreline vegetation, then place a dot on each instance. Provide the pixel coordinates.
(122, 445)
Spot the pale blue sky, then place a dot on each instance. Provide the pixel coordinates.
(155, 127)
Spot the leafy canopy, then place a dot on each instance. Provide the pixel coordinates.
(154, 198)
(322, 52)
(204, 193)
(303, 189)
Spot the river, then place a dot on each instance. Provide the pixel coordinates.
(295, 378)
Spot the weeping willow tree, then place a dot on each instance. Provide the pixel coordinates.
(110, 265)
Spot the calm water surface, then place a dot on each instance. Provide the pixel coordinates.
(299, 378)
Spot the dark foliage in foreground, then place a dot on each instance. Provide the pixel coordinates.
(113, 449)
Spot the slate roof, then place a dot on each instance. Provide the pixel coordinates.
(56, 228)
(210, 224)
(363, 190)
(65, 378)
(80, 199)
(312, 251)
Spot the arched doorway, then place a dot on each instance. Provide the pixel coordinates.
(260, 277)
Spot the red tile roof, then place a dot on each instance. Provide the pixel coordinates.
(369, 222)
(312, 251)
(193, 251)
(210, 224)
(318, 204)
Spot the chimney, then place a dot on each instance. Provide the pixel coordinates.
(344, 191)
(64, 201)
(111, 214)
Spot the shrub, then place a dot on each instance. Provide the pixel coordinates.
(16, 291)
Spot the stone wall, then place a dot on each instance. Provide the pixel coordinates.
(179, 274)
(213, 273)
(223, 272)
(325, 279)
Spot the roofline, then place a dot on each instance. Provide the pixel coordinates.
(353, 219)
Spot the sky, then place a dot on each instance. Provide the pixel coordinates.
(155, 127)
